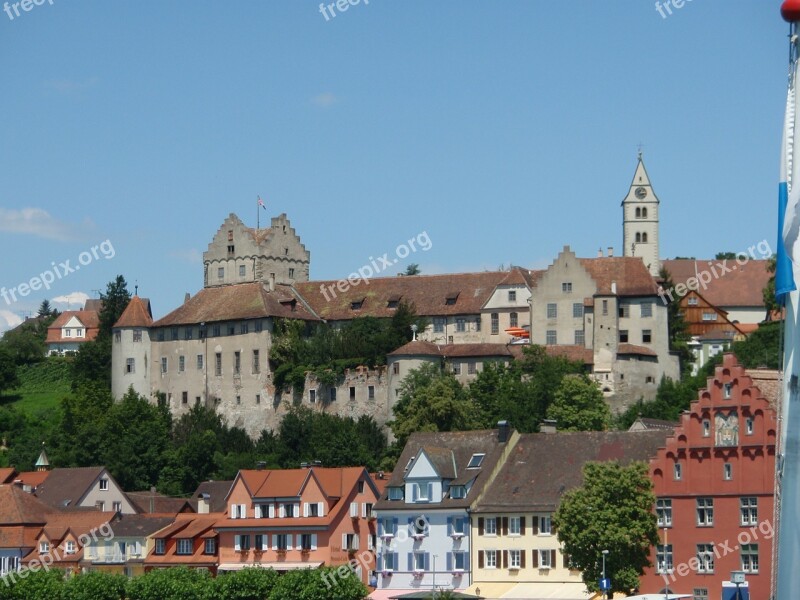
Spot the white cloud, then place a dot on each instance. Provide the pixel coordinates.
(324, 100)
(39, 222)
(191, 255)
(8, 320)
(72, 301)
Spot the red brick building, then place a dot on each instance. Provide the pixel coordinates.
(714, 482)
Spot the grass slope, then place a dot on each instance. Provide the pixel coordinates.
(42, 387)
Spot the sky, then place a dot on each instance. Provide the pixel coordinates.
(502, 131)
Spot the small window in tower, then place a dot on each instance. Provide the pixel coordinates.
(644, 212)
(231, 250)
(230, 235)
(638, 238)
(644, 238)
(638, 213)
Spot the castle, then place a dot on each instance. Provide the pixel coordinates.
(214, 349)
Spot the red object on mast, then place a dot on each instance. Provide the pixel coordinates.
(790, 11)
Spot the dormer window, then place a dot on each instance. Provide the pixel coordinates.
(458, 491)
(476, 461)
(451, 298)
(422, 492)
(396, 493)
(357, 304)
(394, 302)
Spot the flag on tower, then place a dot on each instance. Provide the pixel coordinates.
(261, 203)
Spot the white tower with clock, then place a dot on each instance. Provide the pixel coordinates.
(640, 220)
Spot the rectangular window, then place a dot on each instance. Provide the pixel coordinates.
(258, 326)
(692, 301)
(185, 397)
(705, 512)
(210, 546)
(461, 325)
(727, 389)
(117, 337)
(490, 527)
(244, 328)
(577, 310)
(459, 561)
(174, 333)
(216, 330)
(332, 395)
(546, 559)
(438, 324)
(371, 392)
(199, 362)
(312, 396)
(256, 362)
(495, 323)
(580, 337)
(130, 365)
(514, 526)
(181, 364)
(242, 270)
(551, 338)
(727, 471)
(706, 428)
(664, 512)
(258, 398)
(566, 287)
(624, 311)
(700, 594)
(237, 362)
(137, 335)
(709, 316)
(623, 336)
(750, 558)
(163, 364)
(44, 547)
(705, 558)
(552, 310)
(456, 368)
(491, 559)
(605, 307)
(748, 511)
(161, 546)
(188, 333)
(218, 364)
(647, 310)
(514, 559)
(748, 426)
(513, 320)
(664, 558)
(104, 484)
(184, 546)
(472, 367)
(677, 471)
(221, 273)
(545, 525)
(305, 541)
(396, 368)
(512, 296)
(647, 336)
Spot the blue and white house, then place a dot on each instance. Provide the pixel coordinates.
(423, 516)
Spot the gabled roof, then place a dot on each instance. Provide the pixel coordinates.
(468, 292)
(155, 503)
(32, 479)
(634, 349)
(59, 524)
(18, 507)
(186, 526)
(543, 466)
(7, 475)
(629, 273)
(88, 318)
(65, 488)
(735, 284)
(136, 314)
(139, 525)
(441, 459)
(237, 302)
(572, 353)
(217, 492)
(463, 445)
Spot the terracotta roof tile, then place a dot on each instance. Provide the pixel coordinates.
(735, 285)
(148, 502)
(89, 318)
(573, 353)
(629, 273)
(422, 348)
(237, 302)
(18, 507)
(7, 475)
(136, 314)
(634, 349)
(33, 479)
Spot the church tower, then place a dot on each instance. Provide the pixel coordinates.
(640, 220)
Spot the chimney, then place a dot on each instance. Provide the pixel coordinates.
(610, 251)
(599, 253)
(614, 287)
(502, 431)
(186, 297)
(204, 504)
(548, 426)
(272, 282)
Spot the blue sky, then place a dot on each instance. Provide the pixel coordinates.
(505, 130)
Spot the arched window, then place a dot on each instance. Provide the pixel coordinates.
(644, 212)
(638, 213)
(644, 238)
(638, 238)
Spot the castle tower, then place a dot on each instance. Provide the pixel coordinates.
(130, 349)
(640, 220)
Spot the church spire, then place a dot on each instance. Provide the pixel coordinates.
(640, 219)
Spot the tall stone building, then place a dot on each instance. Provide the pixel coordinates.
(640, 220)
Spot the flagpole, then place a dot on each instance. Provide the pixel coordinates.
(258, 216)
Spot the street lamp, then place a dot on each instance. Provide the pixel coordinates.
(605, 589)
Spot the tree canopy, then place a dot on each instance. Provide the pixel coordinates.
(613, 511)
(579, 406)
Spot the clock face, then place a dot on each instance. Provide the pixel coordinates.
(641, 193)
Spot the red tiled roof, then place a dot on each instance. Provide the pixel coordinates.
(64, 488)
(155, 503)
(186, 525)
(634, 349)
(79, 523)
(136, 314)
(628, 273)
(32, 478)
(428, 293)
(18, 507)
(573, 353)
(89, 318)
(422, 348)
(237, 302)
(735, 284)
(7, 475)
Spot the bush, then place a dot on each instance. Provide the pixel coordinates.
(179, 583)
(95, 586)
(39, 585)
(247, 584)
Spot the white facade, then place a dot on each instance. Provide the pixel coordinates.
(640, 221)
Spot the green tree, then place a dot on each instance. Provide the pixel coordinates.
(39, 585)
(114, 302)
(318, 584)
(725, 256)
(678, 330)
(46, 310)
(178, 583)
(579, 406)
(761, 348)
(433, 400)
(412, 269)
(26, 342)
(80, 438)
(611, 511)
(768, 293)
(8, 371)
(247, 584)
(95, 586)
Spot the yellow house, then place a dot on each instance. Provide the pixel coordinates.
(515, 552)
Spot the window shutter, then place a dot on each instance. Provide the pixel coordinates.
(296, 510)
(505, 559)
(414, 488)
(363, 510)
(449, 561)
(271, 511)
(243, 509)
(258, 511)
(237, 542)
(522, 554)
(505, 525)
(522, 525)
(381, 528)
(553, 558)
(344, 541)
(313, 541)
(535, 525)
(354, 509)
(321, 509)
(305, 509)
(451, 528)
(274, 541)
(232, 513)
(480, 559)
(427, 561)
(410, 561)
(395, 523)
(430, 491)
(480, 525)
(281, 511)
(535, 558)
(288, 541)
